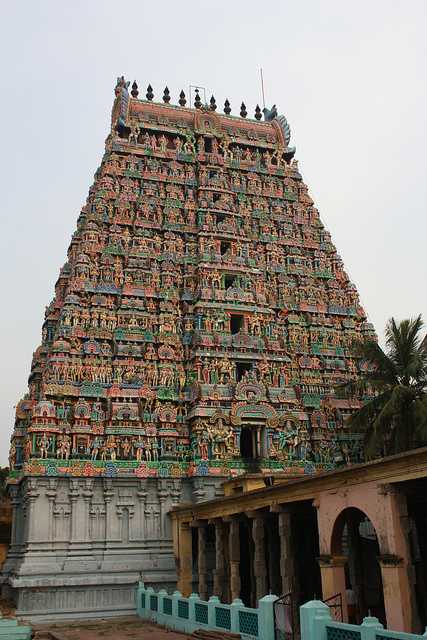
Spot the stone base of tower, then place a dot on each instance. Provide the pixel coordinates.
(80, 545)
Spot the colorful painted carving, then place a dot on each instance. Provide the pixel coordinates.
(203, 318)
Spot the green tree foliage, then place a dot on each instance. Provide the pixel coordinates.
(4, 472)
(394, 384)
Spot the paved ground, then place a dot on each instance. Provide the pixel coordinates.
(130, 628)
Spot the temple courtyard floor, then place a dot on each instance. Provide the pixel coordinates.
(129, 628)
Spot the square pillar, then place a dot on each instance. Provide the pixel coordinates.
(333, 579)
(234, 558)
(396, 590)
(219, 571)
(287, 558)
(201, 525)
(185, 559)
(395, 562)
(260, 567)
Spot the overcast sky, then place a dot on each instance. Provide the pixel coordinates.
(349, 76)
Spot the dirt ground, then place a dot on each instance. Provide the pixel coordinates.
(130, 628)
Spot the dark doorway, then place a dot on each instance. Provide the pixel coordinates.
(308, 583)
(354, 535)
(229, 281)
(247, 444)
(225, 246)
(236, 323)
(208, 145)
(241, 368)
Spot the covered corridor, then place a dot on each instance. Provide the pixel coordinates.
(359, 532)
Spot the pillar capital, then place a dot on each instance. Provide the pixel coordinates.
(280, 508)
(385, 488)
(256, 514)
(390, 560)
(230, 519)
(327, 560)
(198, 524)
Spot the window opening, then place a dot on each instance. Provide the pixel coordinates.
(236, 323)
(247, 442)
(229, 281)
(242, 368)
(225, 246)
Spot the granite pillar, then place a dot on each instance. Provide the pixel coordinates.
(234, 558)
(260, 566)
(219, 571)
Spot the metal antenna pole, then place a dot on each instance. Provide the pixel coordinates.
(198, 88)
(262, 88)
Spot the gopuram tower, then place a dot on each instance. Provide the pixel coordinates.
(199, 328)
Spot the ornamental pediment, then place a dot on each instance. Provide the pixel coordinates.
(252, 391)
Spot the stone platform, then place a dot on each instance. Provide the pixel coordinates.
(80, 545)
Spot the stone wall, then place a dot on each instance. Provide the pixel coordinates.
(5, 527)
(80, 545)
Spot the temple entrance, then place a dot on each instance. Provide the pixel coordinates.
(354, 537)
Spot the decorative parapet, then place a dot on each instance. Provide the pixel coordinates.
(188, 614)
(317, 624)
(160, 469)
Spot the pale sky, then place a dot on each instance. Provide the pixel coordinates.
(349, 76)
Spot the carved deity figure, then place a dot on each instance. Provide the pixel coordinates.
(139, 447)
(44, 443)
(63, 447)
(95, 447)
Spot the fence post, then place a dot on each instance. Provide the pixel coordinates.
(266, 617)
(369, 627)
(212, 602)
(148, 593)
(314, 616)
(192, 599)
(139, 591)
(160, 618)
(175, 620)
(235, 607)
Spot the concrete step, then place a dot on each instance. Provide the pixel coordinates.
(210, 634)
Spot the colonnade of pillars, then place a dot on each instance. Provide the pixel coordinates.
(257, 548)
(310, 549)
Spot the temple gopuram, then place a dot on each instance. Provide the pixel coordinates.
(199, 329)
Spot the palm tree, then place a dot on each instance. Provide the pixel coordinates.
(394, 384)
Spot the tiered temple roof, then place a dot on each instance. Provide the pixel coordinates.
(203, 318)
